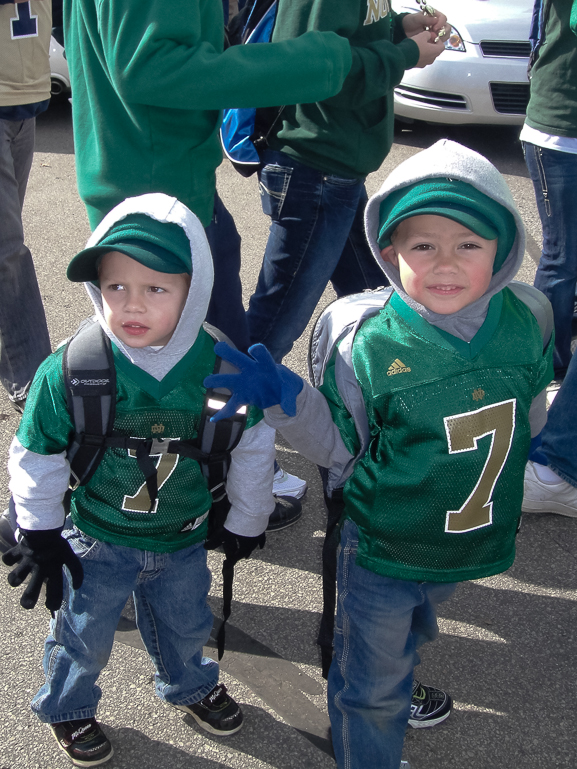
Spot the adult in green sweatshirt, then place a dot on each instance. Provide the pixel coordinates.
(149, 81)
(312, 177)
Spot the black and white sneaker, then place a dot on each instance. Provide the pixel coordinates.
(287, 511)
(83, 741)
(429, 706)
(217, 713)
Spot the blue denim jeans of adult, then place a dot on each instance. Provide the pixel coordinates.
(172, 614)
(554, 176)
(226, 310)
(316, 235)
(380, 624)
(558, 447)
(24, 340)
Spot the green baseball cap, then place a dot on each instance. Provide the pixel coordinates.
(160, 246)
(455, 200)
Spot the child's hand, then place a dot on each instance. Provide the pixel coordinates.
(42, 555)
(235, 546)
(261, 381)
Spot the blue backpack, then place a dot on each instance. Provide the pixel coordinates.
(245, 131)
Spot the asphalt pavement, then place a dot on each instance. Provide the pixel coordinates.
(506, 650)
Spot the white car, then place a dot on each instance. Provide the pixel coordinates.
(59, 77)
(481, 76)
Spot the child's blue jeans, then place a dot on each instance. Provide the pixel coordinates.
(174, 619)
(380, 624)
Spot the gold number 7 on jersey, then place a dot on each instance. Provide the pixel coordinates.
(140, 502)
(463, 432)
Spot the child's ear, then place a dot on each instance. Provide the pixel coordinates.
(389, 254)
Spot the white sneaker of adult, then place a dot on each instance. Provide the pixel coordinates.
(287, 485)
(544, 497)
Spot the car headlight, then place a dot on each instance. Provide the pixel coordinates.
(454, 42)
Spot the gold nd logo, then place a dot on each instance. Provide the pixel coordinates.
(478, 394)
(376, 10)
(157, 429)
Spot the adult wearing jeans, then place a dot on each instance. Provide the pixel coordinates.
(312, 177)
(24, 94)
(550, 144)
(551, 475)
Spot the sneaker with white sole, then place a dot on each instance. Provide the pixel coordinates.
(287, 511)
(83, 741)
(545, 497)
(287, 485)
(217, 713)
(429, 706)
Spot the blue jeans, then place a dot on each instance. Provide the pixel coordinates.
(554, 176)
(558, 447)
(316, 235)
(226, 310)
(24, 340)
(380, 624)
(173, 617)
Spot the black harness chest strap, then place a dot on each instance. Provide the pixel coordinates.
(90, 381)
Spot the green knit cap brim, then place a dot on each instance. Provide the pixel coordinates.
(160, 246)
(455, 200)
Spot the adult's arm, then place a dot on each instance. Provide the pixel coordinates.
(377, 67)
(161, 58)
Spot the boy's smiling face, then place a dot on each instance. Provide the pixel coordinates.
(141, 306)
(443, 265)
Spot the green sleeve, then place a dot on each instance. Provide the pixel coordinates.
(573, 18)
(154, 58)
(341, 417)
(46, 426)
(377, 66)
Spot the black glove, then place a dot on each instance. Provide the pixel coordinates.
(235, 546)
(42, 554)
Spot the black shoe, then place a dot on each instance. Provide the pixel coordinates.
(7, 538)
(83, 741)
(217, 712)
(286, 512)
(429, 706)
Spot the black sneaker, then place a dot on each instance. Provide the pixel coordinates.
(287, 511)
(7, 538)
(83, 741)
(429, 706)
(217, 712)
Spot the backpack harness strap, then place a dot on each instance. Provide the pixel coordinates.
(90, 379)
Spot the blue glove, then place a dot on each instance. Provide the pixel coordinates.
(261, 381)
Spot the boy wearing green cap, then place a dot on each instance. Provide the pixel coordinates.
(451, 371)
(148, 271)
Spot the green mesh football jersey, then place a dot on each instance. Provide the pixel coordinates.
(114, 505)
(437, 495)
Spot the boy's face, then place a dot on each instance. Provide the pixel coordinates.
(141, 306)
(443, 265)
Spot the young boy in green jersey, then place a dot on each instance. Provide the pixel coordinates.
(148, 272)
(451, 371)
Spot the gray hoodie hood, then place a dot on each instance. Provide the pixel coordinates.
(447, 159)
(163, 208)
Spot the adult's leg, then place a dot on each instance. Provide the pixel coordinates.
(24, 340)
(226, 310)
(559, 436)
(379, 625)
(82, 632)
(357, 269)
(554, 176)
(311, 216)
(175, 621)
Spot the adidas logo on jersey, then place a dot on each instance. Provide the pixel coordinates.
(398, 367)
